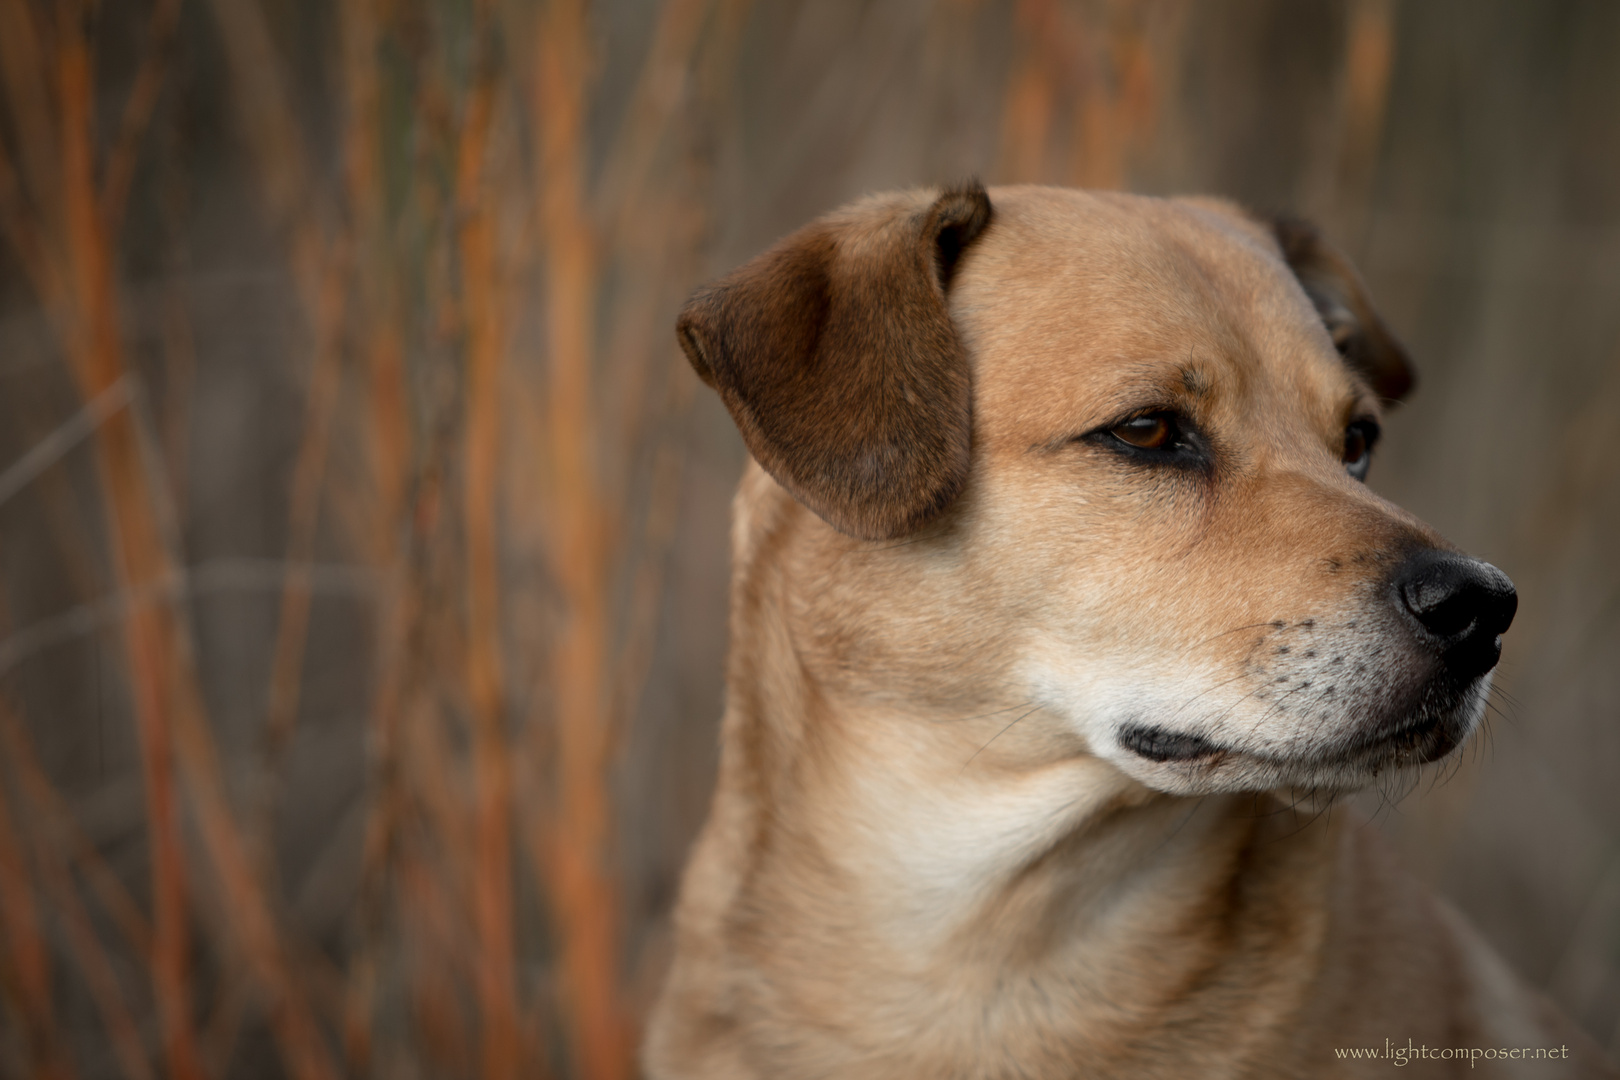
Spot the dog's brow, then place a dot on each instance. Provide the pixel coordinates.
(1144, 388)
(1363, 401)
(1194, 381)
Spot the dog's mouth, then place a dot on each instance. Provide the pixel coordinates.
(1424, 735)
(1425, 738)
(1160, 745)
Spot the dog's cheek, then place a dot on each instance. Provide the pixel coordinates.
(908, 624)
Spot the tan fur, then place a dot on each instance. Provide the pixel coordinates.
(929, 856)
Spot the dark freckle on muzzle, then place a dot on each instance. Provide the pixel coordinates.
(1455, 606)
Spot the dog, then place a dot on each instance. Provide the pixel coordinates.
(1060, 618)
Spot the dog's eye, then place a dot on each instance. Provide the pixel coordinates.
(1359, 439)
(1161, 439)
(1153, 432)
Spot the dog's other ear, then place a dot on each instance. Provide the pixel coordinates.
(1341, 297)
(836, 355)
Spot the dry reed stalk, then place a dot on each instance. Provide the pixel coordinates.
(25, 51)
(435, 881)
(179, 367)
(647, 579)
(628, 170)
(96, 968)
(29, 220)
(71, 529)
(492, 785)
(95, 353)
(1115, 114)
(435, 867)
(168, 708)
(248, 913)
(320, 265)
(643, 237)
(320, 271)
(358, 1006)
(658, 235)
(25, 978)
(1369, 61)
(389, 444)
(1368, 65)
(584, 893)
(304, 502)
(1104, 75)
(384, 797)
(389, 428)
(115, 899)
(390, 431)
(17, 222)
(218, 1037)
(445, 830)
(431, 890)
(442, 1027)
(82, 939)
(1030, 101)
(143, 95)
(267, 123)
(1095, 158)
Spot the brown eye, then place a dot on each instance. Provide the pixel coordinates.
(1145, 432)
(1359, 438)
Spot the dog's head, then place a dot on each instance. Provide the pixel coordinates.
(1102, 455)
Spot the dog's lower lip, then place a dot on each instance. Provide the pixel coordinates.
(1412, 737)
(1160, 745)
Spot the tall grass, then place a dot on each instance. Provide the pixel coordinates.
(489, 783)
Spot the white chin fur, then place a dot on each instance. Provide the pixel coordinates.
(1260, 751)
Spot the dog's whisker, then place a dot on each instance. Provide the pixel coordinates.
(1498, 690)
(1264, 716)
(1238, 630)
(1507, 713)
(993, 712)
(996, 736)
(1219, 717)
(1202, 693)
(1311, 794)
(1181, 824)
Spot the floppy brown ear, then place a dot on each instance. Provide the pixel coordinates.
(836, 355)
(1339, 294)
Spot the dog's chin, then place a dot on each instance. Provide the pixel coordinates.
(1184, 763)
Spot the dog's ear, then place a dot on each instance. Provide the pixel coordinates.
(836, 355)
(1341, 297)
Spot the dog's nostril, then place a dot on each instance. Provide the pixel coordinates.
(1462, 603)
(1439, 603)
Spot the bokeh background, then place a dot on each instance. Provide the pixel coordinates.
(363, 535)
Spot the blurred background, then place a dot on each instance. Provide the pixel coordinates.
(363, 534)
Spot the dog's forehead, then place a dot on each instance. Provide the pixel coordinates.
(1091, 293)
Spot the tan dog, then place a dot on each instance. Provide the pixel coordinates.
(1056, 588)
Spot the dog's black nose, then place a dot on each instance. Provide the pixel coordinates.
(1460, 606)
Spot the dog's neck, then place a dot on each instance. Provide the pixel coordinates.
(870, 879)
(875, 831)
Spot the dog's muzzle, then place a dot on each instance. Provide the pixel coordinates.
(1450, 610)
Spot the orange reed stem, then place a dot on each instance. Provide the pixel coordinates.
(150, 635)
(585, 896)
(28, 963)
(492, 884)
